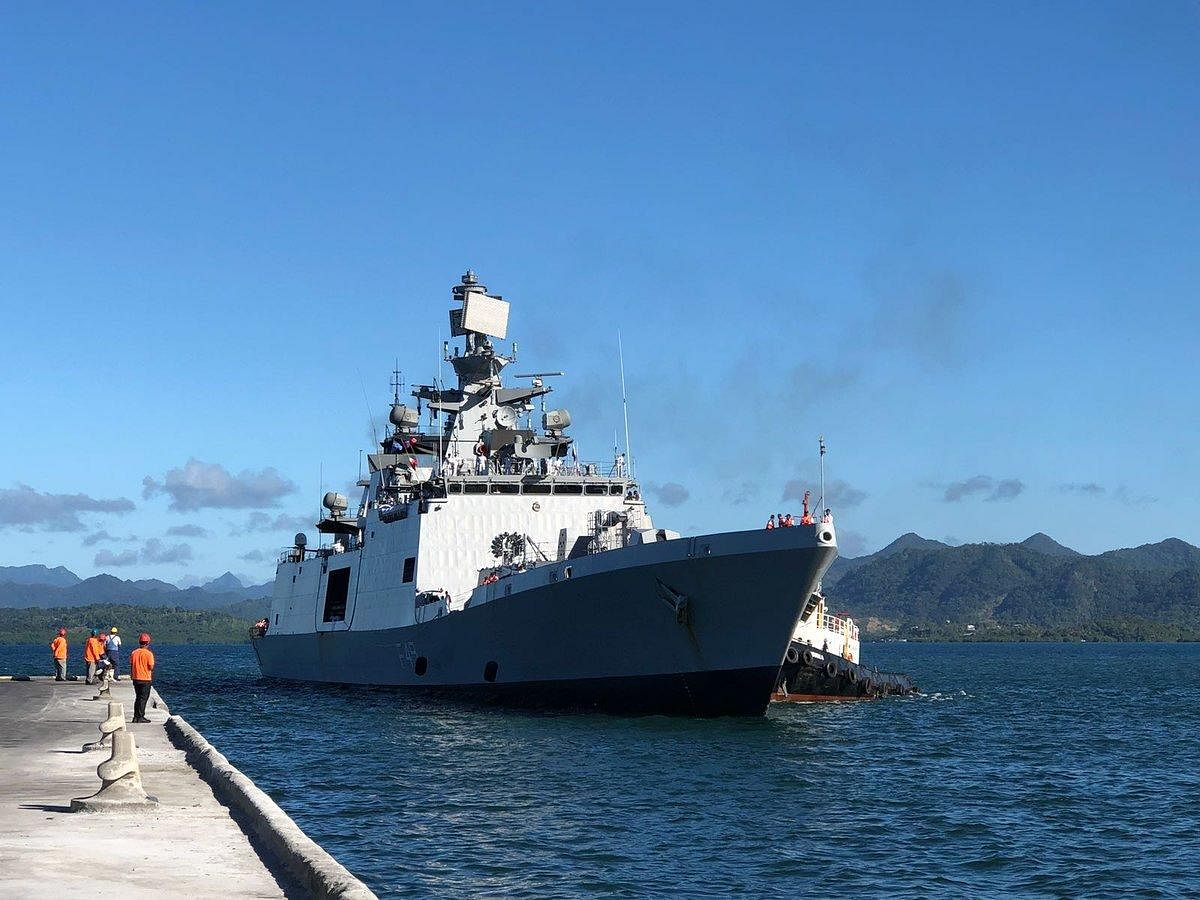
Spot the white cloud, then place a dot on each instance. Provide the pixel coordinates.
(108, 558)
(30, 509)
(201, 485)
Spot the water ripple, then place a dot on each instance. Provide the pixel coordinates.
(1023, 770)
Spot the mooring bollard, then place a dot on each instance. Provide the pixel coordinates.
(114, 723)
(105, 685)
(121, 780)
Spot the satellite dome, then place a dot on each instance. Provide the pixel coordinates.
(403, 416)
(556, 419)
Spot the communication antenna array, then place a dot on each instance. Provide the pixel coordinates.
(624, 405)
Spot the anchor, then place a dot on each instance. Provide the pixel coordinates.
(679, 603)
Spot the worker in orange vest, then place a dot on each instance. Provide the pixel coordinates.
(141, 672)
(58, 649)
(93, 647)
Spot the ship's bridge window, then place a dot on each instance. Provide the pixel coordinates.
(614, 489)
(537, 488)
(568, 489)
(474, 487)
(595, 489)
(506, 488)
(454, 488)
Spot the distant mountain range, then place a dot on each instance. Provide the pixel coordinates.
(40, 586)
(59, 576)
(1037, 583)
(1037, 586)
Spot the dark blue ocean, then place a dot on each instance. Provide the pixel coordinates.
(1057, 770)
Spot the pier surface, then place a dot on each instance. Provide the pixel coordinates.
(189, 845)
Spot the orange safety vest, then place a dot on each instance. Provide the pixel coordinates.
(92, 650)
(141, 665)
(58, 647)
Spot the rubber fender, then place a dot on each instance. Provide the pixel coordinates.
(792, 655)
(808, 658)
(852, 676)
(831, 669)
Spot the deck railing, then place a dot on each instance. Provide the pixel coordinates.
(838, 625)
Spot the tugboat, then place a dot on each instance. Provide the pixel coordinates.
(486, 560)
(822, 662)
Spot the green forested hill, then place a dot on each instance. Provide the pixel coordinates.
(914, 587)
(1015, 589)
(168, 625)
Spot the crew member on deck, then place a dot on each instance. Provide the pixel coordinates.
(805, 516)
(771, 523)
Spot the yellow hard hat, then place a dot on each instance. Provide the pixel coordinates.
(113, 630)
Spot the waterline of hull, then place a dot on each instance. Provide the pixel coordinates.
(610, 641)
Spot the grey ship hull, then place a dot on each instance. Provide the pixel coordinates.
(611, 641)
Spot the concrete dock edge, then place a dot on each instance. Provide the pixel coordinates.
(313, 868)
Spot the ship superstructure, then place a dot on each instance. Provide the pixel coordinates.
(484, 557)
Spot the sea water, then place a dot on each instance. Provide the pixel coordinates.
(1022, 769)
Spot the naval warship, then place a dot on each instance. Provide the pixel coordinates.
(487, 561)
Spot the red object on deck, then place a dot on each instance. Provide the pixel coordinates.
(806, 517)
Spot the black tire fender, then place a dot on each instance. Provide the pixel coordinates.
(808, 658)
(792, 655)
(852, 676)
(831, 669)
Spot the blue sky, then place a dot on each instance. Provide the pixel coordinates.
(958, 240)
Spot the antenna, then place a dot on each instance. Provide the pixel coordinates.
(366, 400)
(397, 382)
(624, 404)
(821, 445)
(441, 387)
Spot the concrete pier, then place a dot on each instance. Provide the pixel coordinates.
(189, 844)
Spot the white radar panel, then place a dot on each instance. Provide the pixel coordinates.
(487, 315)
